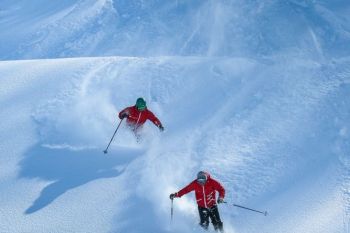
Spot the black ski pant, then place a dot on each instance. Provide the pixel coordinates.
(213, 214)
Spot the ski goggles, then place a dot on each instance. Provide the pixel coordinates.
(141, 108)
(202, 180)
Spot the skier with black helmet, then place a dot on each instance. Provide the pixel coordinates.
(205, 189)
(137, 115)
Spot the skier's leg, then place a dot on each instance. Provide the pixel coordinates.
(215, 219)
(138, 137)
(204, 217)
(137, 132)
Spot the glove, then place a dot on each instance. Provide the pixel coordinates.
(172, 196)
(124, 115)
(221, 200)
(161, 128)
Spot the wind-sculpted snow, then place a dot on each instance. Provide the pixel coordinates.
(276, 133)
(72, 28)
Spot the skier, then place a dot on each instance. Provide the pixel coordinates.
(137, 115)
(205, 189)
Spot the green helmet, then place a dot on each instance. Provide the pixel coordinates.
(140, 104)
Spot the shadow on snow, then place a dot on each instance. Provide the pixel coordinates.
(70, 169)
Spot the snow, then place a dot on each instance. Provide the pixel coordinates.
(257, 94)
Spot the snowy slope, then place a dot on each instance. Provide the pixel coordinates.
(256, 93)
(277, 143)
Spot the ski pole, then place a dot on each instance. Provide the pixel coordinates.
(258, 211)
(106, 150)
(246, 208)
(172, 209)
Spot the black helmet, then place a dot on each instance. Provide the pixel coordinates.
(202, 177)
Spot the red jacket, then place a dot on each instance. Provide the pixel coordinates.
(137, 118)
(205, 194)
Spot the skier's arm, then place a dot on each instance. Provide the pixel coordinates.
(124, 113)
(219, 188)
(154, 119)
(185, 190)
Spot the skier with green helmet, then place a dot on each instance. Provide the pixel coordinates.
(138, 114)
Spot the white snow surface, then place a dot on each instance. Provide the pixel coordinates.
(257, 93)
